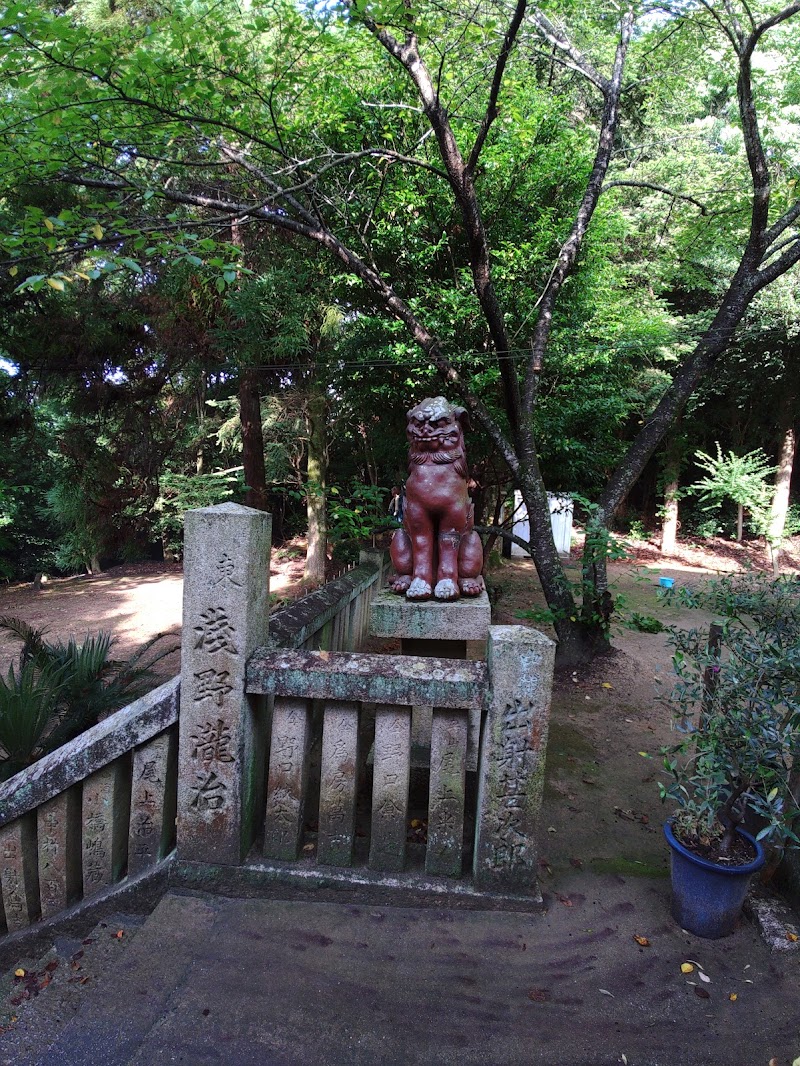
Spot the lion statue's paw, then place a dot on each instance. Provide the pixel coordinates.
(446, 589)
(399, 583)
(471, 586)
(418, 590)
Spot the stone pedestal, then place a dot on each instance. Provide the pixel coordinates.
(456, 630)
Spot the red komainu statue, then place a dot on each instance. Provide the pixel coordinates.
(437, 552)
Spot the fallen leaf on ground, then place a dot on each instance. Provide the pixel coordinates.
(52, 966)
(566, 901)
(607, 685)
(686, 967)
(308, 848)
(733, 997)
(120, 933)
(701, 992)
(704, 977)
(539, 995)
(19, 973)
(606, 992)
(577, 863)
(641, 940)
(793, 937)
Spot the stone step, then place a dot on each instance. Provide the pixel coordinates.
(211, 981)
(39, 996)
(128, 995)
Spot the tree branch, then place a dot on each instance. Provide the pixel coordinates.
(569, 250)
(559, 40)
(657, 188)
(461, 180)
(497, 80)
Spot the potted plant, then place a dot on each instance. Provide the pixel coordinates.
(736, 709)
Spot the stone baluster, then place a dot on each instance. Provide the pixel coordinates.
(59, 847)
(105, 810)
(18, 873)
(288, 778)
(445, 851)
(153, 798)
(391, 771)
(338, 784)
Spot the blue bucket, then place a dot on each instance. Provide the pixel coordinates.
(666, 582)
(707, 899)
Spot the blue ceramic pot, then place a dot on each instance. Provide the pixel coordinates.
(707, 899)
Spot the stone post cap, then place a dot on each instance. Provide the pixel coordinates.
(522, 635)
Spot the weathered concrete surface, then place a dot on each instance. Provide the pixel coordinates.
(210, 982)
(396, 679)
(392, 615)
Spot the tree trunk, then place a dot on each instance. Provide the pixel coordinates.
(255, 477)
(317, 464)
(669, 524)
(673, 457)
(780, 499)
(739, 522)
(578, 640)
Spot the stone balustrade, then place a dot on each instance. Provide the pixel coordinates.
(224, 751)
(98, 808)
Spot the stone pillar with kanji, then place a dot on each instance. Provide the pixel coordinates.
(222, 730)
(511, 771)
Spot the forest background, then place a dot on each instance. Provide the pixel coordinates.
(239, 240)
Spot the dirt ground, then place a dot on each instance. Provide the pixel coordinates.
(602, 808)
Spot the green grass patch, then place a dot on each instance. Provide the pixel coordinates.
(629, 867)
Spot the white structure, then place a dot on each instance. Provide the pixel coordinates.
(560, 520)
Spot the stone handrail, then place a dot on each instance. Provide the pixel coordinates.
(84, 816)
(97, 747)
(334, 617)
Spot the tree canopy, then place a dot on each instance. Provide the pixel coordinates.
(565, 215)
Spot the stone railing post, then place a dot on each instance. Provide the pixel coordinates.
(512, 757)
(222, 732)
